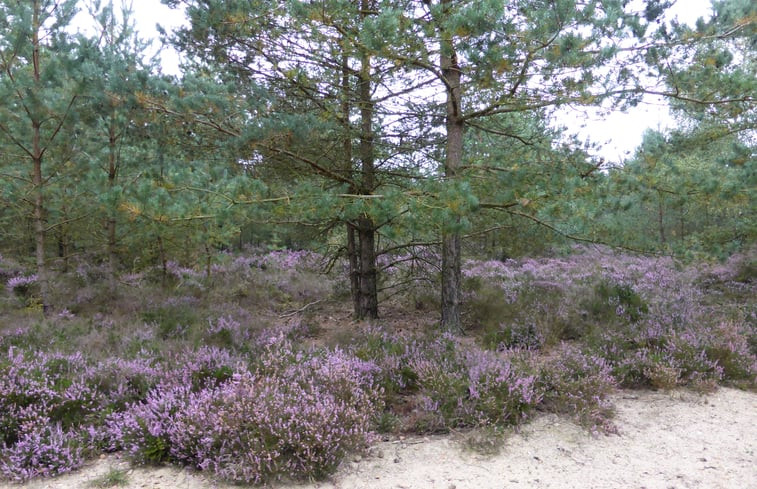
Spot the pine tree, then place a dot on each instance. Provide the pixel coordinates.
(39, 97)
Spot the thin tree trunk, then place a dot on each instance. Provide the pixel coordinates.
(366, 227)
(37, 180)
(353, 253)
(112, 175)
(354, 269)
(63, 251)
(660, 217)
(451, 250)
(163, 262)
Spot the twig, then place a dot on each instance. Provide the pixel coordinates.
(290, 314)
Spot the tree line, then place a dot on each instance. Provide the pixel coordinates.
(369, 128)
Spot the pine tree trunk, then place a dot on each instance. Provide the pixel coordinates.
(354, 270)
(661, 217)
(451, 283)
(451, 250)
(112, 174)
(366, 228)
(37, 180)
(368, 274)
(353, 251)
(39, 221)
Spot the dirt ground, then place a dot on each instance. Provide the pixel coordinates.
(668, 440)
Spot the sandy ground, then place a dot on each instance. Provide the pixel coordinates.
(668, 440)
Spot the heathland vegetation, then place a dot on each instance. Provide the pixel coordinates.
(355, 219)
(256, 371)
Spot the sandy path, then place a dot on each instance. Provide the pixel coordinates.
(668, 440)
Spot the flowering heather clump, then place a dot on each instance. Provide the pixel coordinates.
(649, 317)
(43, 403)
(143, 430)
(227, 332)
(283, 260)
(536, 302)
(185, 277)
(578, 385)
(728, 345)
(48, 387)
(452, 384)
(21, 285)
(272, 278)
(87, 271)
(391, 352)
(257, 427)
(200, 369)
(660, 356)
(42, 450)
(290, 260)
(294, 330)
(122, 382)
(296, 414)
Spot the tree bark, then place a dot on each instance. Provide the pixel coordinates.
(112, 175)
(366, 228)
(661, 217)
(354, 269)
(368, 273)
(37, 180)
(451, 249)
(353, 251)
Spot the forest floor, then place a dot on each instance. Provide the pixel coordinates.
(676, 439)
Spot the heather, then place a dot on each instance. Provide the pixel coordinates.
(253, 372)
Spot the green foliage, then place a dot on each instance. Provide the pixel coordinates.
(113, 478)
(610, 298)
(262, 138)
(170, 321)
(680, 196)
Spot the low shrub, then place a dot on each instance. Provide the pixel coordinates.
(514, 335)
(465, 386)
(44, 402)
(437, 384)
(579, 385)
(611, 299)
(391, 353)
(23, 286)
(662, 356)
(170, 320)
(295, 414)
(41, 450)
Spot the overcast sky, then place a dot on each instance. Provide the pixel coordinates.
(617, 133)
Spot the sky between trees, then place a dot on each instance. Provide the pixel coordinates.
(616, 133)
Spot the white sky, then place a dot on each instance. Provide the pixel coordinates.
(620, 133)
(617, 133)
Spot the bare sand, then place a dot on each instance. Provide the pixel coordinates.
(667, 440)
